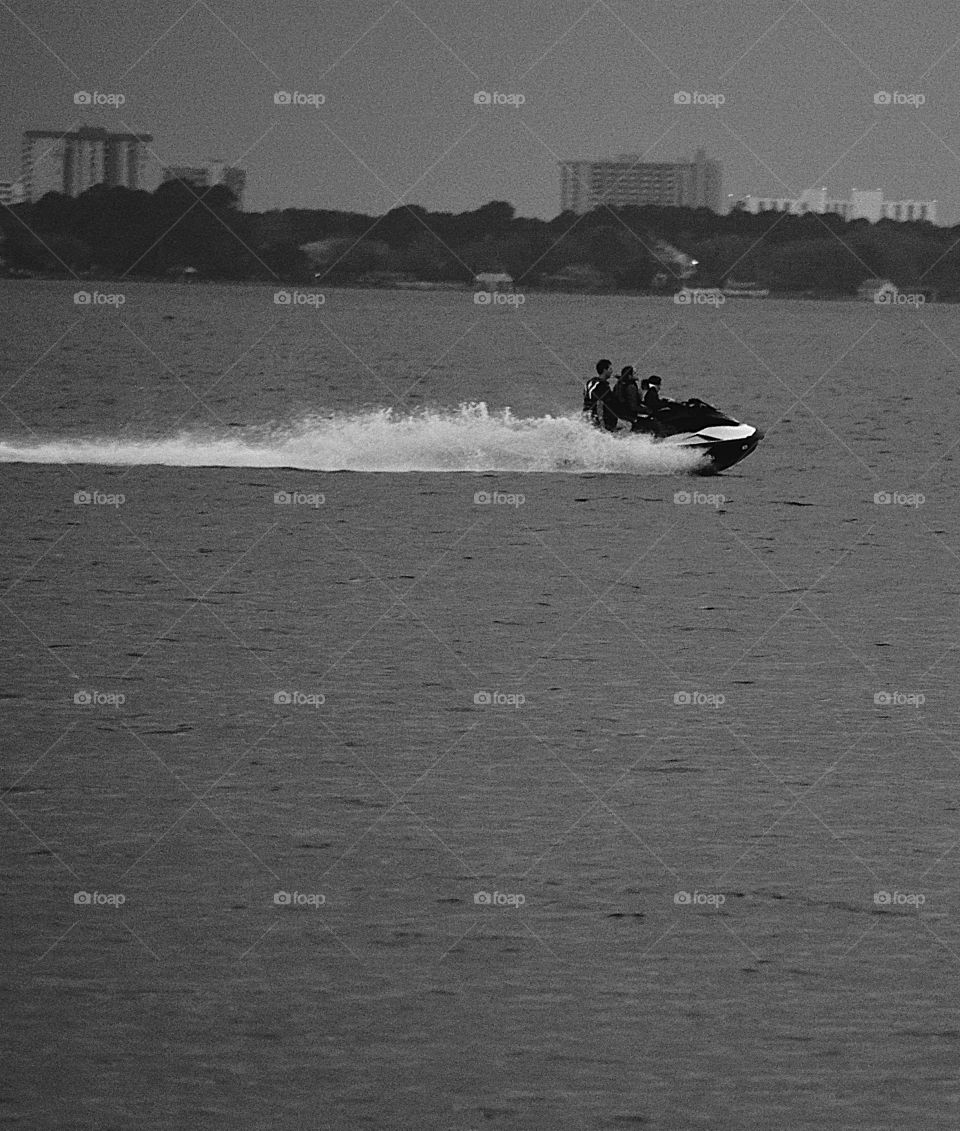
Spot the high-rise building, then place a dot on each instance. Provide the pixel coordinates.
(864, 204)
(627, 180)
(71, 162)
(205, 176)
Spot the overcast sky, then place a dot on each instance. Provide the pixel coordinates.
(398, 123)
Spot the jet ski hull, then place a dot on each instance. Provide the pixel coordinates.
(721, 447)
(721, 440)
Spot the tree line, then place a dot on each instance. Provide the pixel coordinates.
(179, 228)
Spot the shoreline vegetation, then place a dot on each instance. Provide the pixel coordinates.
(183, 234)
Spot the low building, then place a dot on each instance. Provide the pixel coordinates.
(494, 281)
(863, 204)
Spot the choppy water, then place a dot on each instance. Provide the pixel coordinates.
(466, 439)
(605, 692)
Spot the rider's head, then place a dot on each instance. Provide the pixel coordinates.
(627, 371)
(603, 367)
(653, 379)
(644, 384)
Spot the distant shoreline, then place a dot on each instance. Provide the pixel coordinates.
(418, 287)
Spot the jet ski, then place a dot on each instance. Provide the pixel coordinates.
(697, 425)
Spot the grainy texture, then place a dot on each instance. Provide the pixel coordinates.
(797, 1002)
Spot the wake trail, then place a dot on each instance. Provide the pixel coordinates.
(467, 438)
